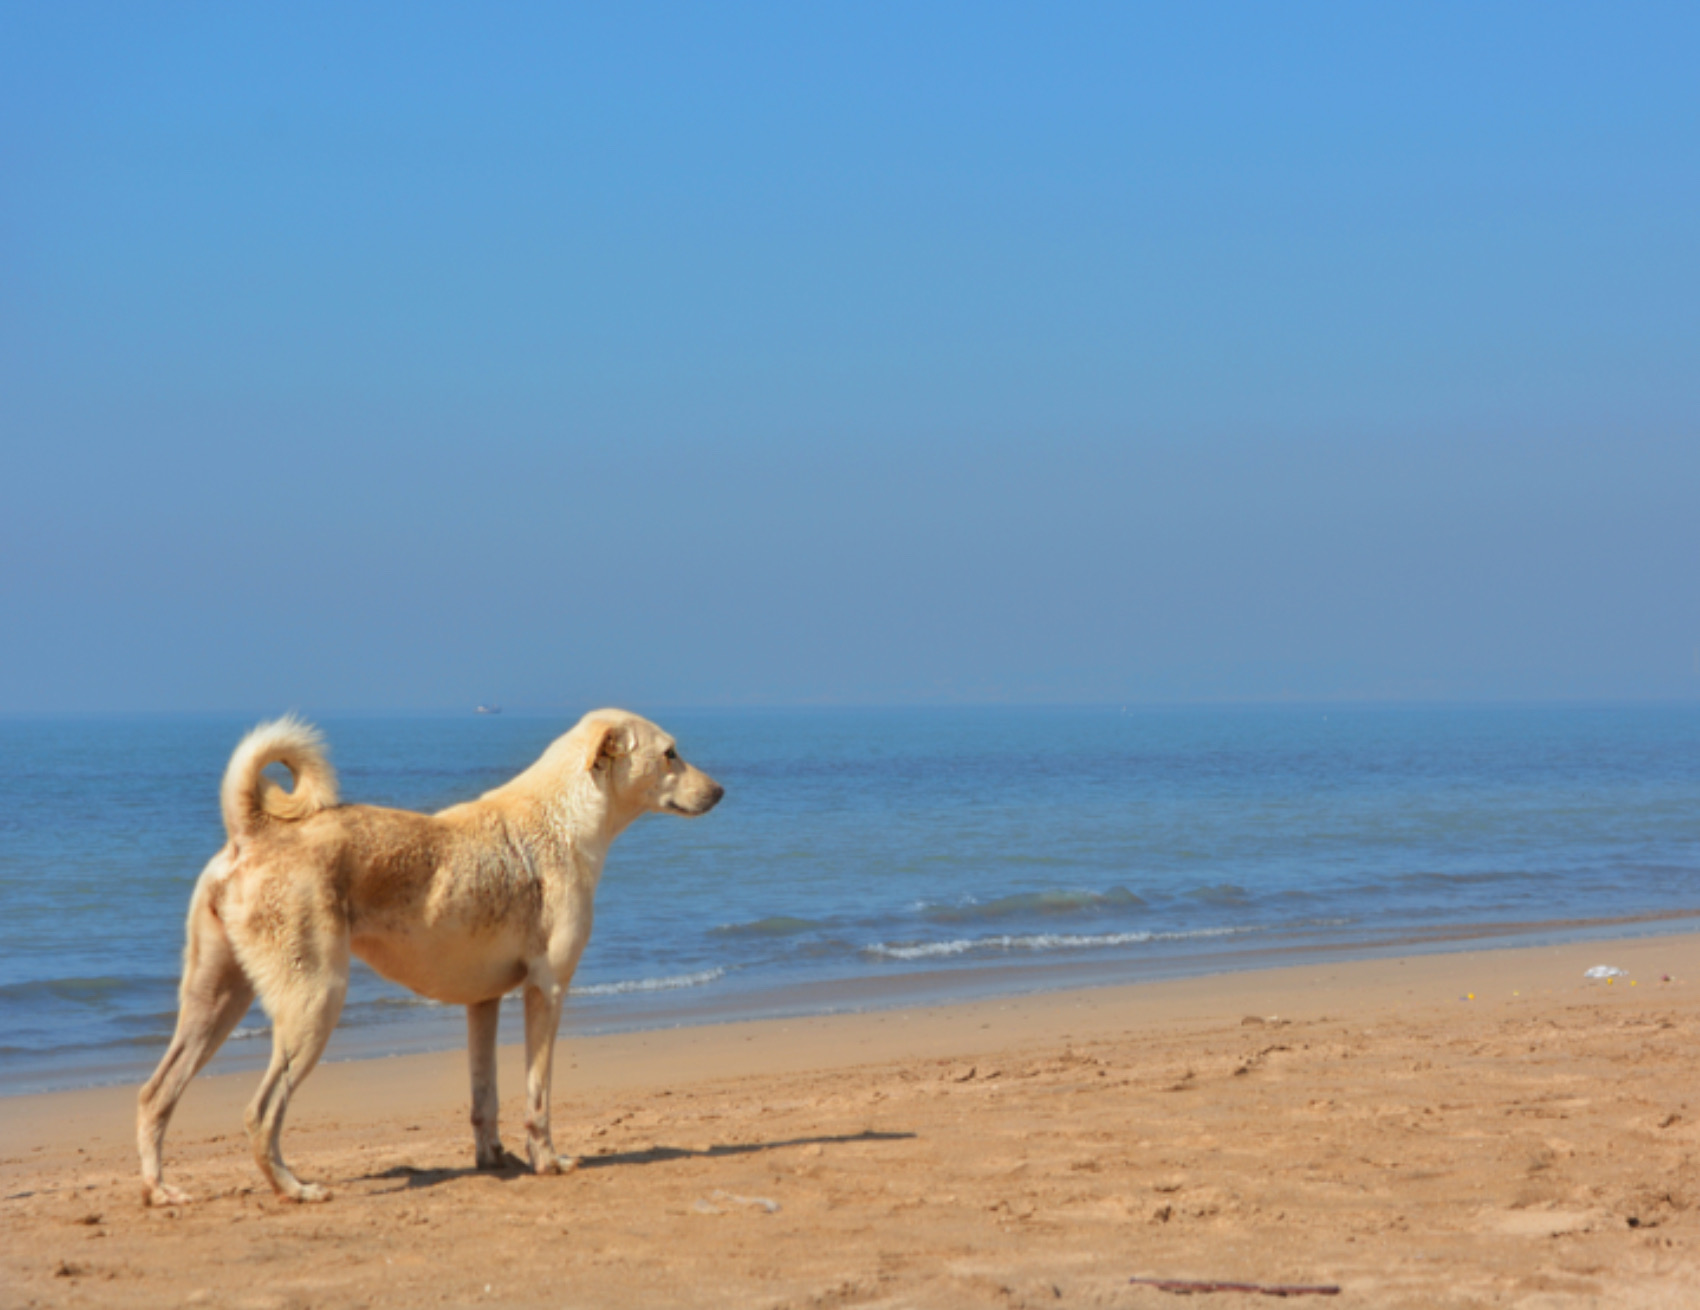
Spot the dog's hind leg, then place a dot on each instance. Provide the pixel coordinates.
(481, 1022)
(214, 996)
(305, 1005)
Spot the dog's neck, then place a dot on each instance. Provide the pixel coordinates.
(565, 811)
(579, 824)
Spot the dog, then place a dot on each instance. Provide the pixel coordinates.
(461, 906)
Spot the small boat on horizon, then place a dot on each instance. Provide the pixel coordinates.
(488, 709)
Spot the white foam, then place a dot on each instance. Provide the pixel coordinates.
(1048, 941)
(651, 984)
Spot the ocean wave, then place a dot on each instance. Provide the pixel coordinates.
(675, 983)
(775, 925)
(1048, 941)
(1481, 878)
(399, 1001)
(81, 991)
(402, 1001)
(1220, 893)
(1032, 903)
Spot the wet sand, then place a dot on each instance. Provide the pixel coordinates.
(1469, 1129)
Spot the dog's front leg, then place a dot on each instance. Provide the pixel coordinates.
(542, 1017)
(481, 1022)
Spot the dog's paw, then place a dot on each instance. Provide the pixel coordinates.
(547, 1162)
(311, 1194)
(157, 1194)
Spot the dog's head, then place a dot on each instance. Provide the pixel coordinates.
(639, 766)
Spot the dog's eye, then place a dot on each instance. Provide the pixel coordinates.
(673, 753)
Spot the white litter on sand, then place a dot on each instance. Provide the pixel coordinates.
(729, 1198)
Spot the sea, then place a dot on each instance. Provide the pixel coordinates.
(867, 858)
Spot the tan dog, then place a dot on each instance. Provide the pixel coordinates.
(462, 907)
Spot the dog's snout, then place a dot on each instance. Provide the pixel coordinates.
(715, 792)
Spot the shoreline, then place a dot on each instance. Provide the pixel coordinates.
(1441, 1129)
(437, 1029)
(1305, 990)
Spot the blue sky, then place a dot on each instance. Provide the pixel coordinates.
(405, 357)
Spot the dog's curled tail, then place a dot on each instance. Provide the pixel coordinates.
(248, 795)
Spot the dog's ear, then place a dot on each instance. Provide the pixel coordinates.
(607, 742)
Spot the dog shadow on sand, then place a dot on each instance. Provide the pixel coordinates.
(514, 1167)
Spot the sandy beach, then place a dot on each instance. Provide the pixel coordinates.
(1463, 1129)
